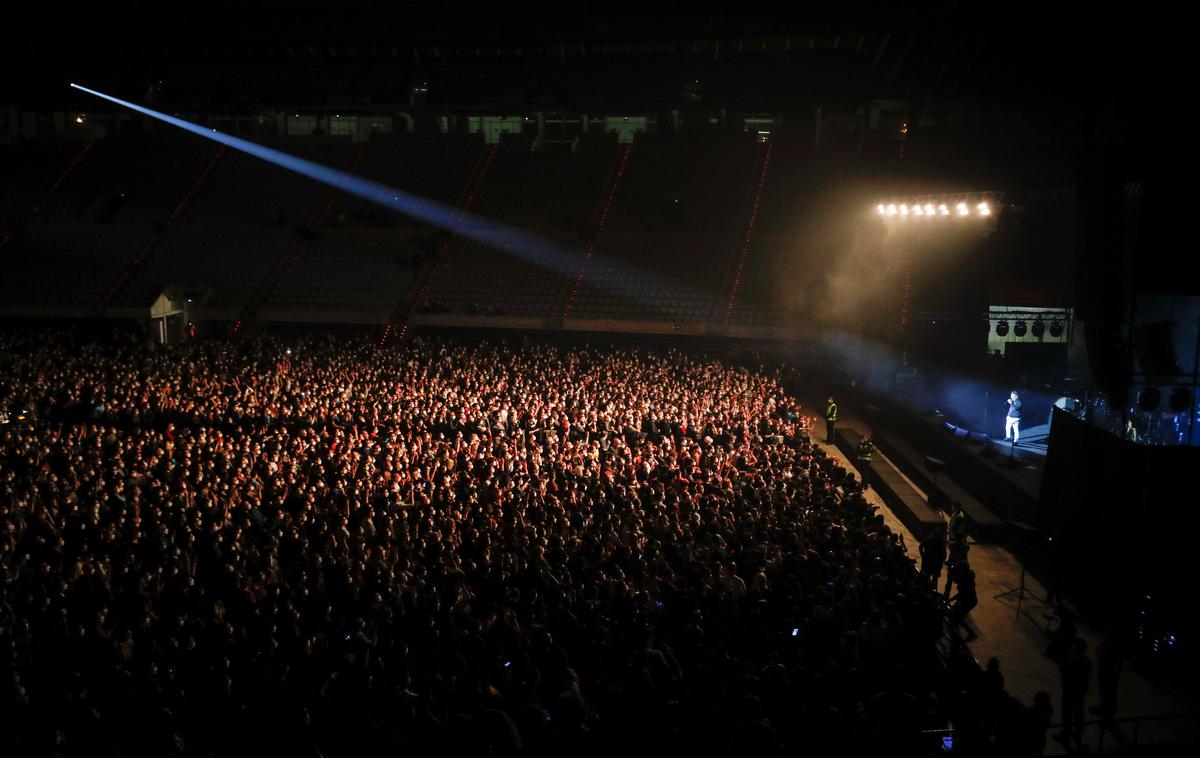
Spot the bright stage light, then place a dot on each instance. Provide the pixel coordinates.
(948, 205)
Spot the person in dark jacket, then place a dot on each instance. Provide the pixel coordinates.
(966, 599)
(1012, 421)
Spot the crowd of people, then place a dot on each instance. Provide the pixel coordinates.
(323, 547)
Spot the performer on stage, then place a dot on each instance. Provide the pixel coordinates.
(1012, 422)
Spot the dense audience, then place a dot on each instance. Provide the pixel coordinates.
(326, 548)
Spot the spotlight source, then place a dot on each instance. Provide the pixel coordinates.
(1020, 328)
(903, 210)
(943, 210)
(1056, 329)
(891, 210)
(962, 209)
(1039, 328)
(1002, 328)
(882, 209)
(984, 209)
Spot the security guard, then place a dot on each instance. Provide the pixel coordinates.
(865, 448)
(956, 530)
(830, 419)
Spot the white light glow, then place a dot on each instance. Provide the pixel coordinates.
(892, 210)
(963, 210)
(984, 210)
(943, 210)
(918, 210)
(882, 209)
(903, 210)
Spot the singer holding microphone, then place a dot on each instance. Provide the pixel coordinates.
(1012, 422)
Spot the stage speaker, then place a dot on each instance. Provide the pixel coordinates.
(1110, 360)
(1068, 404)
(1155, 348)
(1149, 398)
(1180, 400)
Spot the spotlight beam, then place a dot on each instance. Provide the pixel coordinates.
(512, 241)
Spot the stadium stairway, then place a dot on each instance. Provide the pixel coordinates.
(295, 247)
(398, 321)
(599, 218)
(139, 258)
(762, 161)
(10, 227)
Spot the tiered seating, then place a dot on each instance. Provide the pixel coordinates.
(248, 190)
(668, 250)
(679, 263)
(765, 291)
(169, 170)
(67, 265)
(29, 173)
(551, 192)
(653, 277)
(434, 168)
(549, 189)
(230, 261)
(471, 277)
(678, 184)
(130, 179)
(344, 271)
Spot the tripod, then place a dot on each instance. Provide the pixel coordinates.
(1021, 593)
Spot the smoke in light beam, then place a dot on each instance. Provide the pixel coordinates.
(513, 241)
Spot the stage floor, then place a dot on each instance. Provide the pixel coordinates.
(1032, 444)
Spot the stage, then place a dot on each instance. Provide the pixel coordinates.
(1031, 447)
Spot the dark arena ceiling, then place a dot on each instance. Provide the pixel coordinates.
(372, 52)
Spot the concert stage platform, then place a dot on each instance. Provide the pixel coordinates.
(1032, 446)
(1006, 482)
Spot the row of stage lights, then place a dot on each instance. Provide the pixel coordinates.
(1021, 329)
(905, 210)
